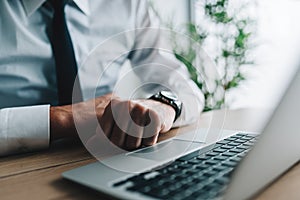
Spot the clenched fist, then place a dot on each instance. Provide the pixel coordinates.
(128, 124)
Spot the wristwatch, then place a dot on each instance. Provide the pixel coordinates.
(170, 99)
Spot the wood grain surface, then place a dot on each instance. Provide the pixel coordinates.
(38, 175)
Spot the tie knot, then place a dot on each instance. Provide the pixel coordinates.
(58, 4)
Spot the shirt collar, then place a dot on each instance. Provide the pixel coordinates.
(32, 5)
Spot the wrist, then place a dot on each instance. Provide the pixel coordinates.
(62, 118)
(170, 99)
(61, 122)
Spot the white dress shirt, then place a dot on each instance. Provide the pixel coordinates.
(27, 70)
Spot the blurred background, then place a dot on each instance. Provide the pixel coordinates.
(254, 43)
(274, 44)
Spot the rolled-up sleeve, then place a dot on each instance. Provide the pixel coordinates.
(24, 129)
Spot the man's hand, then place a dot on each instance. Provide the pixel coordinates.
(128, 124)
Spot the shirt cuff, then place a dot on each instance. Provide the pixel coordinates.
(24, 129)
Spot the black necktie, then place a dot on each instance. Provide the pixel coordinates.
(66, 67)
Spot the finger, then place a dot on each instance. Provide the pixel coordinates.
(150, 140)
(103, 101)
(118, 134)
(133, 142)
(152, 130)
(106, 121)
(136, 127)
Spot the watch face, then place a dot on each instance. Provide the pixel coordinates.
(169, 95)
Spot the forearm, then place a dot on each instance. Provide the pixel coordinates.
(65, 120)
(61, 122)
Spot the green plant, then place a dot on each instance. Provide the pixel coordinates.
(223, 29)
(231, 27)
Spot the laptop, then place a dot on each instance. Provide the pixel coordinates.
(236, 167)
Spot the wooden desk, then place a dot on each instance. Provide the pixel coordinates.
(38, 175)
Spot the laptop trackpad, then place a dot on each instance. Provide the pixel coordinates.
(166, 150)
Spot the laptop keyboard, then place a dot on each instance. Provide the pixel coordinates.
(202, 174)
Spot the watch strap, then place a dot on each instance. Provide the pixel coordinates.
(171, 101)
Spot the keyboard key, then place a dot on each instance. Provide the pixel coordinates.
(219, 168)
(184, 166)
(187, 181)
(247, 137)
(230, 139)
(219, 150)
(200, 195)
(209, 173)
(202, 166)
(233, 144)
(241, 140)
(243, 147)
(179, 163)
(226, 147)
(212, 154)
(236, 136)
(241, 134)
(163, 172)
(223, 142)
(222, 180)
(236, 150)
(194, 161)
(159, 193)
(229, 163)
(199, 178)
(212, 162)
(249, 144)
(240, 148)
(203, 157)
(212, 185)
(235, 159)
(220, 157)
(189, 156)
(175, 163)
(192, 171)
(179, 196)
(174, 187)
(229, 154)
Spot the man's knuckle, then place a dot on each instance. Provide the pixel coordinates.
(139, 108)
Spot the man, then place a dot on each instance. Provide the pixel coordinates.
(42, 40)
